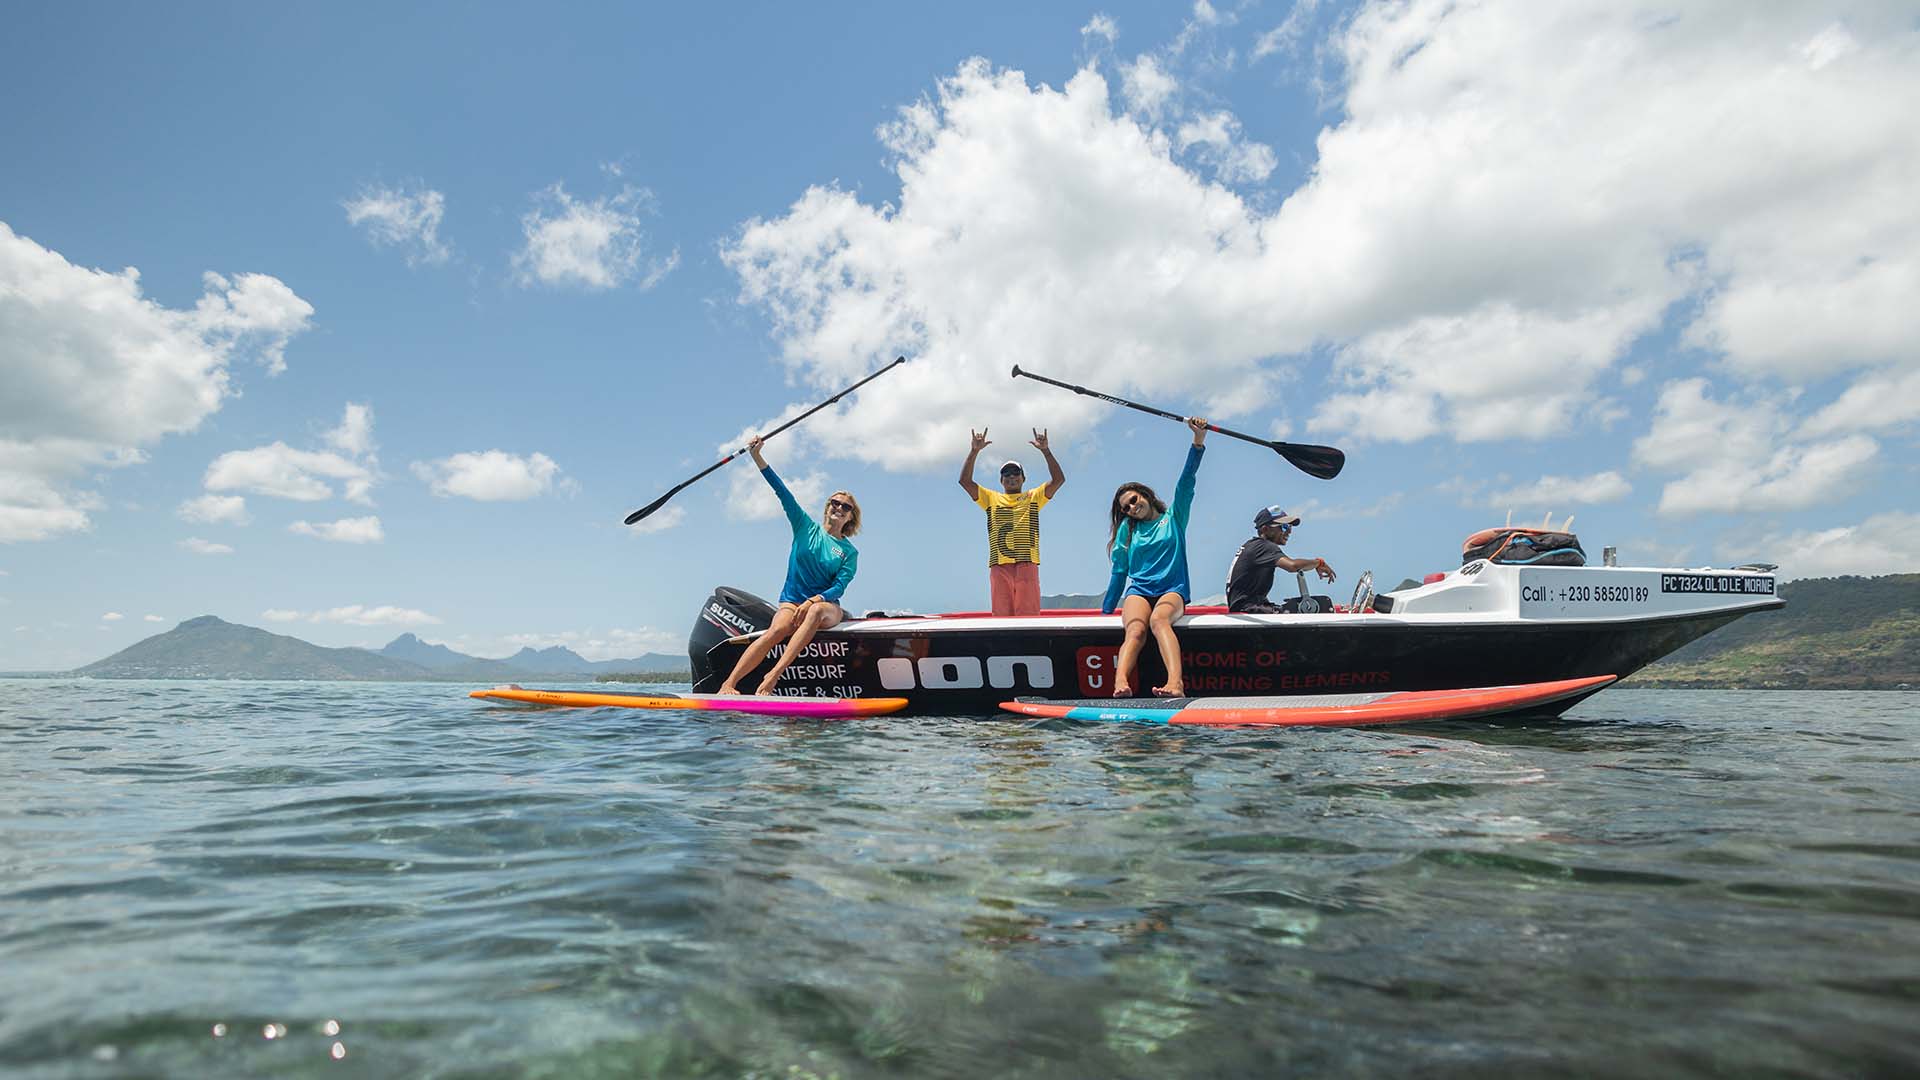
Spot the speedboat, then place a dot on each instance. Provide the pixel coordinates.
(1485, 624)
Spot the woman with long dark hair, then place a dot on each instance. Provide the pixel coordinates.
(819, 568)
(1147, 541)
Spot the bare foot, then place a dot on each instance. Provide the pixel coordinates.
(1121, 689)
(1169, 691)
(765, 689)
(728, 689)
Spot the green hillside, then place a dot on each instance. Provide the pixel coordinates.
(211, 648)
(1846, 633)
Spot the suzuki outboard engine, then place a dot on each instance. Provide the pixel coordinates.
(727, 613)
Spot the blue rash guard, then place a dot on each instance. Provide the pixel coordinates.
(1154, 555)
(819, 565)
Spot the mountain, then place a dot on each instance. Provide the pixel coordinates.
(211, 648)
(414, 651)
(553, 660)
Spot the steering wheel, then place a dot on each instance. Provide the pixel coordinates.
(1362, 593)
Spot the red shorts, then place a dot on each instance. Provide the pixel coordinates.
(1015, 588)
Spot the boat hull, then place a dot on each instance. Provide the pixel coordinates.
(1514, 629)
(972, 670)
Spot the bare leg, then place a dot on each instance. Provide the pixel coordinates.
(818, 617)
(1133, 616)
(1167, 609)
(758, 648)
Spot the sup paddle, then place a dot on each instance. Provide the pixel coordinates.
(689, 481)
(1322, 462)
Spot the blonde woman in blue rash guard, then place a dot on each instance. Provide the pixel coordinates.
(1148, 544)
(819, 568)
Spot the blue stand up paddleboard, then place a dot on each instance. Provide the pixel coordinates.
(1308, 710)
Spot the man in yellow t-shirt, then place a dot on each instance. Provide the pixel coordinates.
(1013, 526)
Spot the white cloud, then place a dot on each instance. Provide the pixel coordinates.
(205, 547)
(1490, 224)
(1286, 37)
(112, 616)
(1793, 478)
(1497, 372)
(94, 371)
(490, 475)
(354, 436)
(279, 615)
(660, 520)
(1564, 492)
(280, 471)
(408, 219)
(152, 618)
(386, 615)
(1883, 544)
(1146, 85)
(1101, 26)
(1218, 141)
(215, 510)
(360, 530)
(1737, 456)
(595, 245)
(1876, 402)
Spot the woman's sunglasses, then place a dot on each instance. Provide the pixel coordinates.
(836, 504)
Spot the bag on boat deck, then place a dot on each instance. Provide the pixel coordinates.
(1523, 547)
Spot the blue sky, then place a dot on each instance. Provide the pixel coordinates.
(357, 320)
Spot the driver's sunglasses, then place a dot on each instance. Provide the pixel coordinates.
(836, 504)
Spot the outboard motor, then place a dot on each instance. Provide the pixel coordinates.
(729, 612)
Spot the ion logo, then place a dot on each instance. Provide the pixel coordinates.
(964, 672)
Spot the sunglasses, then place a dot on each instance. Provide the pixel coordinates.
(1131, 500)
(836, 504)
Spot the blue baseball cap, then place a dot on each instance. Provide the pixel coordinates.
(1268, 515)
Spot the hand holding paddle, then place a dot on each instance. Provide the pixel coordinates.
(1321, 462)
(682, 485)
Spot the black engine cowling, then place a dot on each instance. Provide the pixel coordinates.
(729, 612)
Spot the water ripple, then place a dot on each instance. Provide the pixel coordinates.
(237, 878)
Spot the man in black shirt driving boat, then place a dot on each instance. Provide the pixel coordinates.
(1252, 575)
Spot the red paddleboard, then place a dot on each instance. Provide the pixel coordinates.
(771, 705)
(1325, 710)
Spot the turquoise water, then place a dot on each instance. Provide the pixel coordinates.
(1663, 882)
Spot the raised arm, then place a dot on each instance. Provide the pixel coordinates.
(795, 516)
(1058, 476)
(1183, 491)
(966, 468)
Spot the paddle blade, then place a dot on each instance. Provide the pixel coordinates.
(1320, 462)
(652, 506)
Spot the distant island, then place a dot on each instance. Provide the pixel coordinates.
(212, 648)
(1845, 633)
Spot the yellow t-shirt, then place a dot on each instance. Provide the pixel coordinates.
(1013, 524)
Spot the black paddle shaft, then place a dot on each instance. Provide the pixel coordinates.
(1321, 462)
(689, 481)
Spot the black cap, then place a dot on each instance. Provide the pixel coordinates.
(1268, 515)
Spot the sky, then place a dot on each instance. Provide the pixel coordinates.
(355, 320)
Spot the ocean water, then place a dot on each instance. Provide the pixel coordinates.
(281, 879)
